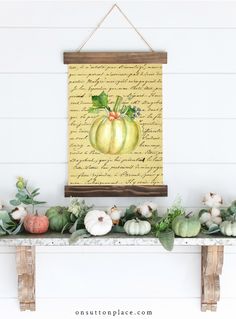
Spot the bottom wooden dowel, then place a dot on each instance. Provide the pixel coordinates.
(25, 262)
(211, 268)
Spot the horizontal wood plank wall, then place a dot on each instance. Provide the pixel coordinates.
(199, 103)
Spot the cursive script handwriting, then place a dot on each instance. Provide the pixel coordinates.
(140, 85)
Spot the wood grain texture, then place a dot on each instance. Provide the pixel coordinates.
(116, 190)
(212, 263)
(25, 263)
(114, 57)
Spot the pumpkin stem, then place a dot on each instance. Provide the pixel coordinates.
(100, 219)
(117, 103)
(188, 215)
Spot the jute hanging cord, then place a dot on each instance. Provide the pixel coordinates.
(104, 18)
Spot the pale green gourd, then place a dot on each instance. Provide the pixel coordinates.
(137, 227)
(228, 228)
(186, 226)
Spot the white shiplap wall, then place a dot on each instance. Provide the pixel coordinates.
(199, 152)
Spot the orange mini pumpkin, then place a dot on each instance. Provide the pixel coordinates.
(36, 224)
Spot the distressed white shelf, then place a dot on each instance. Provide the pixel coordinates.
(57, 239)
(211, 266)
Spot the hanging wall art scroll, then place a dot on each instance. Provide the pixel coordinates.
(115, 124)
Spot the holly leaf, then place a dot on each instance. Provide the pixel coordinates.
(100, 100)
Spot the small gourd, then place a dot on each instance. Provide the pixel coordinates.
(98, 223)
(186, 226)
(228, 228)
(36, 224)
(58, 217)
(137, 227)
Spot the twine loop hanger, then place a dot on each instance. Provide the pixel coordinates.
(104, 18)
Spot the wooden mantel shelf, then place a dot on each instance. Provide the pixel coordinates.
(57, 239)
(211, 266)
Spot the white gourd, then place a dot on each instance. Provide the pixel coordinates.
(228, 228)
(137, 227)
(205, 217)
(98, 223)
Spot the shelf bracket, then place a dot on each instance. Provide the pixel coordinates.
(25, 264)
(211, 268)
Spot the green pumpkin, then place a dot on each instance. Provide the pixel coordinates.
(114, 136)
(185, 226)
(58, 217)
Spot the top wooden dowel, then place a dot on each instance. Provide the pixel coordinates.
(115, 57)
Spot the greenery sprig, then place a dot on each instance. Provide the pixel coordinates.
(24, 195)
(163, 228)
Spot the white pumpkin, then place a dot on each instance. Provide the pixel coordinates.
(146, 209)
(228, 228)
(97, 222)
(137, 227)
(115, 213)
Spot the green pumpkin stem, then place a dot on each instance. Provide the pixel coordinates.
(117, 104)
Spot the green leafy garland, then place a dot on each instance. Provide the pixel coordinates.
(161, 227)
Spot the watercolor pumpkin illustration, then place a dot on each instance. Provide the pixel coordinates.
(116, 131)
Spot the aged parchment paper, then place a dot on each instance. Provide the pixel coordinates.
(139, 85)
